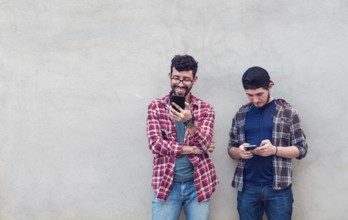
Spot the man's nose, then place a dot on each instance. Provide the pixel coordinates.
(254, 99)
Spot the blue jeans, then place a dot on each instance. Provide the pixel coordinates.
(183, 195)
(254, 200)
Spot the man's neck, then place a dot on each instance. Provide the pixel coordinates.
(270, 99)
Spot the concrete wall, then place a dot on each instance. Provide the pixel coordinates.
(76, 78)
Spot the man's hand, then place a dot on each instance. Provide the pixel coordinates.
(191, 150)
(266, 149)
(211, 147)
(244, 154)
(183, 114)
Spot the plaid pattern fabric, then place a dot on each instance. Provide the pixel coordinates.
(161, 134)
(286, 131)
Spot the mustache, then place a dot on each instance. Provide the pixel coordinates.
(187, 88)
(184, 87)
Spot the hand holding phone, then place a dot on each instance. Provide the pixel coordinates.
(179, 100)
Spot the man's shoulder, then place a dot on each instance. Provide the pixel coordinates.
(284, 104)
(199, 102)
(241, 113)
(245, 107)
(159, 101)
(285, 107)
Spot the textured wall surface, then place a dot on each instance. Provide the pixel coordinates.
(76, 77)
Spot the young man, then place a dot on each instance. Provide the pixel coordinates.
(183, 175)
(263, 175)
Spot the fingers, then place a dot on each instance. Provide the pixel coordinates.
(180, 114)
(242, 147)
(264, 142)
(187, 106)
(266, 149)
(176, 114)
(197, 151)
(211, 147)
(177, 107)
(243, 153)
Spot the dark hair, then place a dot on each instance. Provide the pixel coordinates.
(184, 63)
(256, 77)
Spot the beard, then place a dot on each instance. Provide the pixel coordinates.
(268, 98)
(186, 88)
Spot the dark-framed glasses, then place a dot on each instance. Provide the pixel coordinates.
(185, 81)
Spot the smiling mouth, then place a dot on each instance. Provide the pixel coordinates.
(180, 89)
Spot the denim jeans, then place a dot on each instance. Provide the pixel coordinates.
(254, 200)
(183, 195)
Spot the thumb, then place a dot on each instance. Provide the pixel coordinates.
(187, 106)
(264, 142)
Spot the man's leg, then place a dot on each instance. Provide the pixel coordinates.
(250, 205)
(192, 208)
(279, 204)
(169, 209)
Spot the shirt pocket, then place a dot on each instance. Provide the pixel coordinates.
(167, 132)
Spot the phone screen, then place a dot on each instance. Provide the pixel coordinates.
(179, 100)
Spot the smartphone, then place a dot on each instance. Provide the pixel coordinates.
(179, 100)
(251, 147)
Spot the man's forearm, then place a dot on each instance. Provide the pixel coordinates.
(200, 137)
(288, 152)
(191, 150)
(234, 153)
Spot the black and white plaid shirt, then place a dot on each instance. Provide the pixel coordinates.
(286, 131)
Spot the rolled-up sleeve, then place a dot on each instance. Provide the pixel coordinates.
(298, 137)
(205, 117)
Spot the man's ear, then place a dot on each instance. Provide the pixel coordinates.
(195, 79)
(270, 86)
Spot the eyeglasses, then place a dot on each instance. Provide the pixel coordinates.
(185, 81)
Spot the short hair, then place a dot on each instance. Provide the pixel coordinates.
(256, 77)
(184, 63)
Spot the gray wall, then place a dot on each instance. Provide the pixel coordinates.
(76, 78)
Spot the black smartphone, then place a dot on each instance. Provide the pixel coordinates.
(179, 100)
(251, 147)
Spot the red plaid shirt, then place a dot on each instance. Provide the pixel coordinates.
(161, 132)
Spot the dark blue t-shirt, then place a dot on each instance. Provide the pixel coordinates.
(258, 127)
